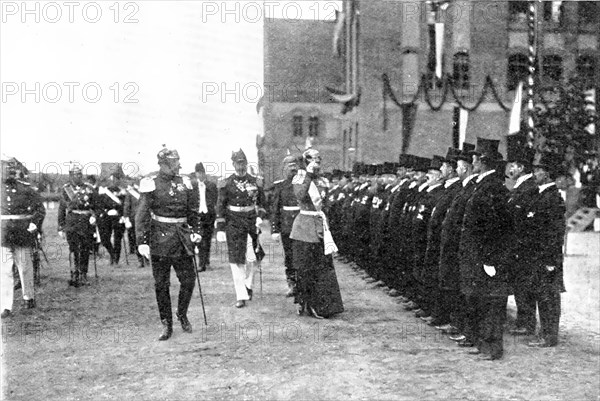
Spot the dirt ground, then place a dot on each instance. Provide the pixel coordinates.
(99, 342)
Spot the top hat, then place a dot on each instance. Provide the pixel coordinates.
(488, 149)
(518, 151)
(371, 169)
(551, 162)
(388, 168)
(404, 160)
(436, 162)
(421, 163)
(200, 168)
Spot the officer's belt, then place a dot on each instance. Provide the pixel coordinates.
(311, 212)
(17, 217)
(162, 219)
(81, 211)
(241, 208)
(291, 208)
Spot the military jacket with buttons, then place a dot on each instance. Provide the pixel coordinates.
(77, 204)
(21, 205)
(284, 208)
(167, 214)
(115, 200)
(240, 192)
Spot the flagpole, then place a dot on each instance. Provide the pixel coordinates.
(531, 38)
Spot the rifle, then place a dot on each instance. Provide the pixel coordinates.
(198, 278)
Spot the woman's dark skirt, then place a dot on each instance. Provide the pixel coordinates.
(317, 285)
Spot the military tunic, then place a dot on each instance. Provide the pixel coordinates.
(284, 210)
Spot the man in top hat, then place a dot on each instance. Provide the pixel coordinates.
(545, 217)
(240, 210)
(484, 268)
(22, 216)
(284, 210)
(207, 197)
(520, 158)
(77, 212)
(166, 228)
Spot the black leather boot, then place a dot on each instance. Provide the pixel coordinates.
(74, 281)
(167, 330)
(185, 323)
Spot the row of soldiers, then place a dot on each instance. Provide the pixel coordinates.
(452, 242)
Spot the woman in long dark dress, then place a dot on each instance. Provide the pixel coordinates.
(318, 292)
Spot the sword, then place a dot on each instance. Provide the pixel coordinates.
(125, 247)
(199, 287)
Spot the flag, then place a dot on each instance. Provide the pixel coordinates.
(439, 46)
(338, 33)
(515, 114)
(459, 131)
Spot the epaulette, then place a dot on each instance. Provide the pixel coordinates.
(147, 184)
(299, 177)
(187, 181)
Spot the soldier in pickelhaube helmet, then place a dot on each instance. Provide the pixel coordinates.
(166, 222)
(77, 219)
(22, 217)
(240, 210)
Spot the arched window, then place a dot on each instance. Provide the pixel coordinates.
(586, 67)
(517, 70)
(461, 70)
(313, 126)
(552, 67)
(297, 126)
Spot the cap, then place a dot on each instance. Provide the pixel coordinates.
(488, 149)
(239, 156)
(200, 168)
(166, 154)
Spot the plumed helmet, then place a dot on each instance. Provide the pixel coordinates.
(165, 154)
(311, 155)
(238, 156)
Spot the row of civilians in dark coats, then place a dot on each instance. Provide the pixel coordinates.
(452, 242)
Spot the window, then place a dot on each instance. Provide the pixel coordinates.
(297, 126)
(461, 70)
(518, 11)
(518, 66)
(313, 126)
(552, 67)
(586, 68)
(553, 12)
(588, 12)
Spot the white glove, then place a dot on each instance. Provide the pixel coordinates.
(113, 212)
(311, 167)
(61, 235)
(221, 237)
(550, 268)
(32, 227)
(128, 223)
(489, 270)
(195, 237)
(92, 220)
(144, 250)
(275, 237)
(258, 222)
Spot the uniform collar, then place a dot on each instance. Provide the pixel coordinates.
(522, 179)
(483, 175)
(451, 181)
(468, 179)
(546, 186)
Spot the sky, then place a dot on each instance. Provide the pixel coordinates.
(107, 81)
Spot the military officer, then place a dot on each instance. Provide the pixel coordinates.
(166, 223)
(77, 219)
(240, 210)
(207, 193)
(546, 225)
(110, 218)
(22, 216)
(284, 210)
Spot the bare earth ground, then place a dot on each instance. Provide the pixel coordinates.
(99, 342)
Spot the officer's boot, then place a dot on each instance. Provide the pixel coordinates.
(83, 280)
(74, 279)
(185, 323)
(167, 330)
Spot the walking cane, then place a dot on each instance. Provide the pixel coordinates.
(125, 248)
(199, 287)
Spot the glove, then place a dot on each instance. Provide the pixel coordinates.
(195, 237)
(113, 212)
(311, 167)
(32, 227)
(489, 270)
(61, 235)
(550, 268)
(221, 237)
(144, 250)
(275, 237)
(258, 222)
(128, 223)
(92, 220)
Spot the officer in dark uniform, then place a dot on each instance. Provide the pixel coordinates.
(284, 210)
(22, 216)
(546, 228)
(77, 219)
(166, 223)
(240, 210)
(110, 218)
(207, 194)
(523, 192)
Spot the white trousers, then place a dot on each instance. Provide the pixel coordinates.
(22, 258)
(243, 274)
